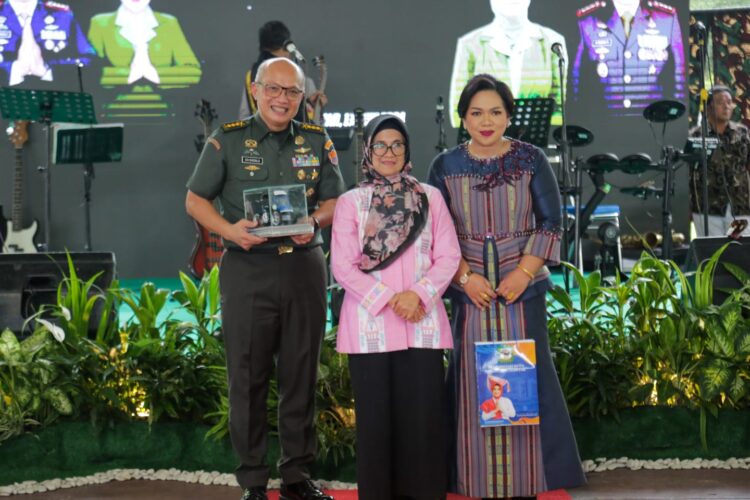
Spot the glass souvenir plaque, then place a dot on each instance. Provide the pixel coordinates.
(279, 210)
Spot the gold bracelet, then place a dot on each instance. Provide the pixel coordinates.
(526, 271)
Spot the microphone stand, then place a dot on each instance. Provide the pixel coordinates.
(703, 107)
(88, 175)
(565, 161)
(440, 120)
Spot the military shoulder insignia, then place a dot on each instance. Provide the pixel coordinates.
(239, 124)
(662, 7)
(585, 11)
(312, 128)
(57, 6)
(216, 144)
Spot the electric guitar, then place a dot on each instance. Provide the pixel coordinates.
(320, 63)
(359, 142)
(19, 239)
(208, 246)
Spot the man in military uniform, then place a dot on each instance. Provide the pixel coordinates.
(728, 169)
(35, 37)
(273, 290)
(512, 49)
(634, 49)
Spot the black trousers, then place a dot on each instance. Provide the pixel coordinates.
(273, 307)
(401, 408)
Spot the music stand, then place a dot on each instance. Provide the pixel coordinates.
(531, 121)
(46, 107)
(87, 144)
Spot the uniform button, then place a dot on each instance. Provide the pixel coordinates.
(627, 78)
(628, 54)
(627, 103)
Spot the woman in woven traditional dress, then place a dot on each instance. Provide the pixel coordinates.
(504, 200)
(394, 251)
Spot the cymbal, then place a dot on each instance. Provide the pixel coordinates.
(643, 192)
(637, 164)
(577, 136)
(664, 111)
(603, 162)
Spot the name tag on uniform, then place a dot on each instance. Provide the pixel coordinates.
(252, 160)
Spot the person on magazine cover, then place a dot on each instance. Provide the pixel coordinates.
(498, 407)
(394, 251)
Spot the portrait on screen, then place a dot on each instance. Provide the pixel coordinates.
(630, 54)
(141, 45)
(512, 49)
(38, 39)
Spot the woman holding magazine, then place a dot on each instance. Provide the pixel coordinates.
(504, 200)
(394, 251)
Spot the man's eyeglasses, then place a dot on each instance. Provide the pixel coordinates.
(273, 90)
(381, 148)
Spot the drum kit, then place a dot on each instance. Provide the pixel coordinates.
(598, 165)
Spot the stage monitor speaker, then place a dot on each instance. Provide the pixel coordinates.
(30, 280)
(737, 253)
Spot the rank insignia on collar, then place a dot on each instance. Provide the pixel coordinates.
(299, 140)
(312, 128)
(251, 143)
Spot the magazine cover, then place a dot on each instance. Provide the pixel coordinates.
(506, 383)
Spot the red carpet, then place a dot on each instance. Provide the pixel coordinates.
(352, 495)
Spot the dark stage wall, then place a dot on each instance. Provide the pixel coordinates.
(382, 56)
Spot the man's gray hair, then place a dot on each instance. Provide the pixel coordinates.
(268, 62)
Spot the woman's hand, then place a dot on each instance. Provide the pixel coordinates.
(513, 285)
(408, 306)
(479, 291)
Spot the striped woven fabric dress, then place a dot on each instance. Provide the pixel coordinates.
(514, 201)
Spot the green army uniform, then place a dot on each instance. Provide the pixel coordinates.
(169, 51)
(476, 53)
(273, 299)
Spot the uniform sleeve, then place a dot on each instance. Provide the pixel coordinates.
(210, 171)
(346, 254)
(678, 52)
(545, 195)
(463, 70)
(446, 254)
(331, 183)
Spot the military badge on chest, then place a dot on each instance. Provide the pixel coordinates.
(304, 162)
(54, 38)
(251, 159)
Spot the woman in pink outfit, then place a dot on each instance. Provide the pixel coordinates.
(394, 251)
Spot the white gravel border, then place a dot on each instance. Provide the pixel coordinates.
(218, 478)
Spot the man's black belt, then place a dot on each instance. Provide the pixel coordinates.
(275, 249)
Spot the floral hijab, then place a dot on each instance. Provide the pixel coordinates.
(398, 207)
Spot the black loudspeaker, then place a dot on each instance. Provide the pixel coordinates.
(30, 280)
(737, 253)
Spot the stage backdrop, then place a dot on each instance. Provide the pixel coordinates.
(386, 56)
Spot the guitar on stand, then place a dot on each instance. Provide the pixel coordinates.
(19, 239)
(208, 247)
(320, 63)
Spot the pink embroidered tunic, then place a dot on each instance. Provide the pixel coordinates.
(367, 324)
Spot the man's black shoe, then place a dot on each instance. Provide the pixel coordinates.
(254, 493)
(303, 490)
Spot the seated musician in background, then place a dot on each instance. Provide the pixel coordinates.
(274, 39)
(728, 169)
